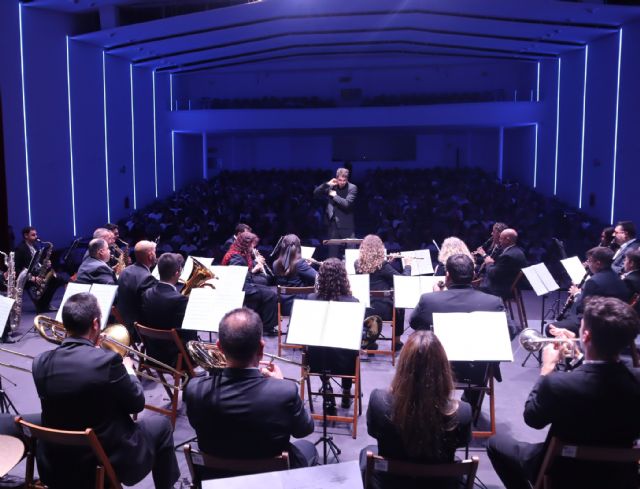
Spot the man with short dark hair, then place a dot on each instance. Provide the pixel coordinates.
(94, 268)
(81, 386)
(624, 235)
(248, 411)
(240, 228)
(340, 197)
(595, 404)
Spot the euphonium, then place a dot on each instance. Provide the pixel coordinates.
(199, 275)
(531, 340)
(51, 330)
(206, 355)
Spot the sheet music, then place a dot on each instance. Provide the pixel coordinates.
(474, 336)
(229, 277)
(540, 279)
(407, 290)
(360, 288)
(307, 251)
(105, 294)
(6, 305)
(207, 306)
(350, 256)
(423, 265)
(72, 289)
(574, 268)
(155, 272)
(326, 323)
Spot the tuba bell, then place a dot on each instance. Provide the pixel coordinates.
(198, 278)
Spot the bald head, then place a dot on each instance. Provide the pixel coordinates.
(240, 337)
(508, 237)
(104, 233)
(145, 252)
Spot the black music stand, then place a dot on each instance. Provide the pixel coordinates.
(6, 405)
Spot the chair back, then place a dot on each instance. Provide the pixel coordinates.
(196, 458)
(86, 438)
(170, 336)
(587, 454)
(376, 463)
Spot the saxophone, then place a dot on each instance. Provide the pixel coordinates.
(45, 273)
(15, 287)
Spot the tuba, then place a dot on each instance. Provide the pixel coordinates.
(198, 278)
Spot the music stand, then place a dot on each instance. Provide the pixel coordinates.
(543, 284)
(475, 337)
(6, 405)
(326, 324)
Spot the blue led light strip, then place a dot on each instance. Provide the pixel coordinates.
(170, 91)
(73, 186)
(538, 84)
(615, 136)
(133, 139)
(555, 173)
(173, 161)
(155, 138)
(535, 160)
(24, 116)
(106, 145)
(584, 117)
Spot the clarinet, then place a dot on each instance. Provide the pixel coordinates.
(571, 299)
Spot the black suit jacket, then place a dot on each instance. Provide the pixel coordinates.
(163, 308)
(380, 426)
(132, 283)
(595, 404)
(94, 271)
(339, 207)
(618, 262)
(22, 257)
(85, 387)
(502, 273)
(382, 279)
(605, 283)
(241, 414)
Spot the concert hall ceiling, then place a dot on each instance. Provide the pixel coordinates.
(195, 36)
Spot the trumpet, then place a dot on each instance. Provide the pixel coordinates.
(115, 338)
(532, 341)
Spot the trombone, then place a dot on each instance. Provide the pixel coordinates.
(15, 367)
(115, 338)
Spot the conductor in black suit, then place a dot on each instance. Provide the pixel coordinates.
(340, 197)
(248, 411)
(163, 307)
(596, 404)
(134, 281)
(94, 268)
(82, 387)
(502, 272)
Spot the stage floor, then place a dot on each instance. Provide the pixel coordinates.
(510, 395)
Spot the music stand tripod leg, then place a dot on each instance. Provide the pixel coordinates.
(6, 405)
(326, 439)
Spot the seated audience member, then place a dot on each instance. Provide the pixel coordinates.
(417, 418)
(631, 276)
(595, 404)
(163, 307)
(333, 285)
(503, 270)
(372, 260)
(604, 282)
(450, 246)
(625, 237)
(94, 268)
(81, 386)
(248, 411)
(291, 270)
(258, 297)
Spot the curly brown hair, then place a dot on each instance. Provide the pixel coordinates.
(332, 280)
(372, 254)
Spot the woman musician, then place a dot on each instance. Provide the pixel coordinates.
(290, 270)
(450, 246)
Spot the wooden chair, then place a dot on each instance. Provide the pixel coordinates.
(515, 297)
(182, 365)
(283, 291)
(196, 458)
(588, 454)
(86, 438)
(376, 463)
(306, 375)
(392, 323)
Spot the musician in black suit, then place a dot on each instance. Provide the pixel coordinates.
(94, 268)
(631, 276)
(625, 236)
(163, 307)
(604, 282)
(502, 271)
(81, 387)
(248, 411)
(595, 404)
(29, 255)
(340, 196)
(134, 281)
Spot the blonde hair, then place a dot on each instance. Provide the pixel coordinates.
(453, 246)
(372, 254)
